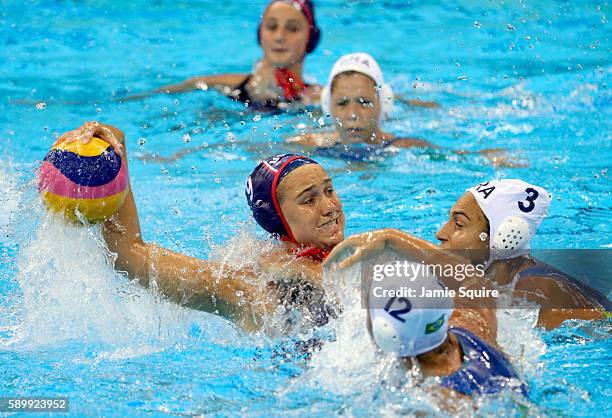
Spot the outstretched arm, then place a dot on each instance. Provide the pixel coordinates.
(189, 281)
(217, 82)
(417, 102)
(478, 317)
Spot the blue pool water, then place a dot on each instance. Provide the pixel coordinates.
(531, 77)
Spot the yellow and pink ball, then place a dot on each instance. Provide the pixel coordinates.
(90, 179)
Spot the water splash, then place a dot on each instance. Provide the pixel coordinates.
(351, 368)
(9, 201)
(69, 292)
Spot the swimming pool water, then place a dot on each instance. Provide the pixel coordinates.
(531, 77)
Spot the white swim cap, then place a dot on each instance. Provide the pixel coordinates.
(514, 209)
(409, 325)
(362, 63)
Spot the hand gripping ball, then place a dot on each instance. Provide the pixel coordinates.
(87, 178)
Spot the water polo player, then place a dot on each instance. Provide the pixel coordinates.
(287, 33)
(291, 196)
(496, 221)
(358, 101)
(441, 342)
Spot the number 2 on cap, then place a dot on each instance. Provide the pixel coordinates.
(397, 312)
(532, 195)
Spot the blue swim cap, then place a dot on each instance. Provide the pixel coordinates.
(261, 188)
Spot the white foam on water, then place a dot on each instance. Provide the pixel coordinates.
(70, 292)
(9, 200)
(353, 368)
(246, 251)
(517, 334)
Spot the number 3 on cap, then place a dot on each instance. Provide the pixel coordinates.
(532, 195)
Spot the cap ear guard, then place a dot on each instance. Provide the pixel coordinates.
(512, 235)
(384, 335)
(386, 101)
(326, 101)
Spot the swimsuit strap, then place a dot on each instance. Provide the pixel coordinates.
(240, 93)
(292, 87)
(485, 369)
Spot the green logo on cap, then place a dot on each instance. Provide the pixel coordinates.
(435, 325)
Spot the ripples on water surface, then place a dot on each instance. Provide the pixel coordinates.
(532, 77)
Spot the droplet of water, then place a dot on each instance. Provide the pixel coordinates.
(41, 105)
(142, 141)
(217, 180)
(477, 24)
(509, 26)
(256, 118)
(186, 138)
